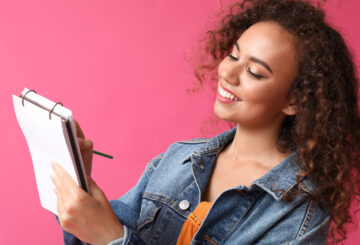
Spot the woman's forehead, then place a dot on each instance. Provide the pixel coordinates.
(269, 42)
(268, 38)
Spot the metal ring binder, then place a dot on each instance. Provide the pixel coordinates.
(54, 108)
(26, 94)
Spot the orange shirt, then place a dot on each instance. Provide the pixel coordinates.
(193, 223)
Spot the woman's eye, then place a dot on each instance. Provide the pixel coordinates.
(253, 74)
(232, 57)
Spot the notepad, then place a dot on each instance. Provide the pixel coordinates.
(50, 133)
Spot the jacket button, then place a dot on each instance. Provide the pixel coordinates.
(184, 205)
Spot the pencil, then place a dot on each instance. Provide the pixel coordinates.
(103, 154)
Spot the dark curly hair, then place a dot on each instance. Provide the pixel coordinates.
(325, 132)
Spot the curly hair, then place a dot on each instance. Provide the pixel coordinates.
(325, 132)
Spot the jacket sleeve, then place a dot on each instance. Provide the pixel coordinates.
(127, 208)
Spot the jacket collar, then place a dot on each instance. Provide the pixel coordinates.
(281, 177)
(218, 142)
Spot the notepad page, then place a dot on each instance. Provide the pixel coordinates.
(46, 143)
(64, 113)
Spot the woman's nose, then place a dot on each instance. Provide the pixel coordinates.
(231, 73)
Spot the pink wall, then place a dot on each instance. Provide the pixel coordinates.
(120, 66)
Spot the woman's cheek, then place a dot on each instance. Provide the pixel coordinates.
(253, 93)
(260, 92)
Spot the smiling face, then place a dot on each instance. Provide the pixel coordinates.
(256, 76)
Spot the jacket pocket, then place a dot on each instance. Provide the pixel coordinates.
(149, 212)
(158, 223)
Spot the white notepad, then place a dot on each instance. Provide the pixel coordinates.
(51, 136)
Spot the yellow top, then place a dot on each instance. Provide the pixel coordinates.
(193, 223)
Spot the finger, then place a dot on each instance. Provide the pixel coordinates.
(66, 220)
(58, 187)
(55, 190)
(85, 144)
(86, 147)
(60, 202)
(64, 183)
(79, 132)
(95, 190)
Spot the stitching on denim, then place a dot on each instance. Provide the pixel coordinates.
(150, 165)
(207, 238)
(150, 169)
(207, 151)
(165, 200)
(306, 188)
(236, 225)
(158, 198)
(305, 225)
(148, 219)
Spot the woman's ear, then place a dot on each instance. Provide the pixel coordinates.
(290, 109)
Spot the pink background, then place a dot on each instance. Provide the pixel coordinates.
(123, 68)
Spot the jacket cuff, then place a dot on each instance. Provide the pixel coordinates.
(121, 240)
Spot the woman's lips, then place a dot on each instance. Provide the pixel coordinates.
(227, 90)
(226, 96)
(223, 99)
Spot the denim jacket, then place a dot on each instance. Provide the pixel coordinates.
(172, 185)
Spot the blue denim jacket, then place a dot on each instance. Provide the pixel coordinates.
(172, 185)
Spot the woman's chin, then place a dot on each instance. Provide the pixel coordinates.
(225, 115)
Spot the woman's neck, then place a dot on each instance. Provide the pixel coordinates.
(256, 145)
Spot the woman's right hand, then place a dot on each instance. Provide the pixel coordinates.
(89, 217)
(86, 148)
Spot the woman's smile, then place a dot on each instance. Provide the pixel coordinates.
(226, 96)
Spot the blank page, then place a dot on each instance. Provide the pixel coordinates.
(47, 143)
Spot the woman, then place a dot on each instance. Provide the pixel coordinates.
(286, 170)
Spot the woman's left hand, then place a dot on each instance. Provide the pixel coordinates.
(88, 217)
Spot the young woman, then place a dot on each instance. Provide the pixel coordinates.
(281, 176)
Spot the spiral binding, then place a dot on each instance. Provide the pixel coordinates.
(51, 111)
(54, 108)
(26, 94)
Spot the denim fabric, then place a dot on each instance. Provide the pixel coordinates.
(122, 239)
(257, 214)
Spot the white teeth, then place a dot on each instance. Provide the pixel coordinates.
(227, 95)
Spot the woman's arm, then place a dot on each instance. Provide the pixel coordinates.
(79, 212)
(126, 208)
(88, 217)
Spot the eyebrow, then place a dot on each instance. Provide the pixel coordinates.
(256, 60)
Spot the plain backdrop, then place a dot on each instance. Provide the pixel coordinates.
(124, 68)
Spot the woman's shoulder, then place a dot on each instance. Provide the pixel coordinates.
(182, 150)
(201, 145)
